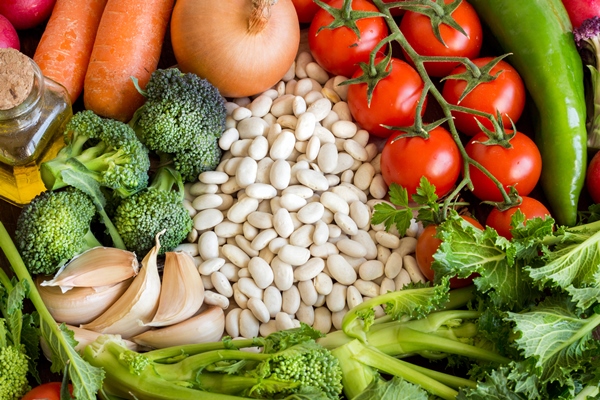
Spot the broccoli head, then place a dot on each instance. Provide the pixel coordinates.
(53, 228)
(14, 366)
(205, 155)
(179, 108)
(140, 217)
(103, 149)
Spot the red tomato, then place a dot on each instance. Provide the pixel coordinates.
(46, 391)
(500, 220)
(519, 166)
(592, 180)
(505, 94)
(427, 245)
(393, 102)
(404, 161)
(306, 10)
(339, 50)
(417, 29)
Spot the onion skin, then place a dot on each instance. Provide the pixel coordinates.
(213, 40)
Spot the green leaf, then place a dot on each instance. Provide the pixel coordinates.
(393, 389)
(466, 250)
(556, 337)
(574, 261)
(86, 378)
(512, 382)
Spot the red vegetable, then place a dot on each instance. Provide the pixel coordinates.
(593, 178)
(393, 102)
(505, 94)
(25, 14)
(128, 44)
(339, 50)
(46, 391)
(404, 161)
(9, 37)
(65, 47)
(417, 29)
(500, 220)
(519, 166)
(580, 10)
(306, 10)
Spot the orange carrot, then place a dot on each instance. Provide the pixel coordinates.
(128, 44)
(64, 50)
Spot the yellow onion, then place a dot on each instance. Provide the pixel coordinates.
(243, 47)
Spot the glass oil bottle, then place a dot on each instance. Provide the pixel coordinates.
(33, 112)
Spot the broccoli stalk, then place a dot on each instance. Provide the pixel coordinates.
(85, 378)
(587, 38)
(304, 368)
(138, 218)
(55, 227)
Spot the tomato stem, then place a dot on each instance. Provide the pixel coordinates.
(476, 74)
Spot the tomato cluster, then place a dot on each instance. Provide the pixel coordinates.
(386, 90)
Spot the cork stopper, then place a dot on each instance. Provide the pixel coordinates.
(16, 78)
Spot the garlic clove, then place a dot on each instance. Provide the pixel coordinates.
(129, 314)
(182, 291)
(80, 305)
(207, 325)
(82, 271)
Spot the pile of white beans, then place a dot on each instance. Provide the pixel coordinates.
(282, 229)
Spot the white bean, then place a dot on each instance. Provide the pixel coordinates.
(248, 287)
(208, 245)
(272, 299)
(249, 325)
(211, 265)
(283, 274)
(290, 300)
(232, 322)
(259, 309)
(340, 269)
(371, 270)
(322, 320)
(280, 174)
(261, 272)
(336, 299)
(221, 284)
(215, 299)
(235, 255)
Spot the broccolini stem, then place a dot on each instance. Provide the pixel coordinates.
(235, 384)
(410, 341)
(174, 353)
(372, 357)
(186, 369)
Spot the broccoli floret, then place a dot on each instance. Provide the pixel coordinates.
(203, 156)
(587, 39)
(305, 368)
(140, 217)
(103, 149)
(183, 117)
(14, 366)
(53, 228)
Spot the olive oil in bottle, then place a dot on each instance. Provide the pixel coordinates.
(33, 112)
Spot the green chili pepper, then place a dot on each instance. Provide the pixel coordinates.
(538, 34)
